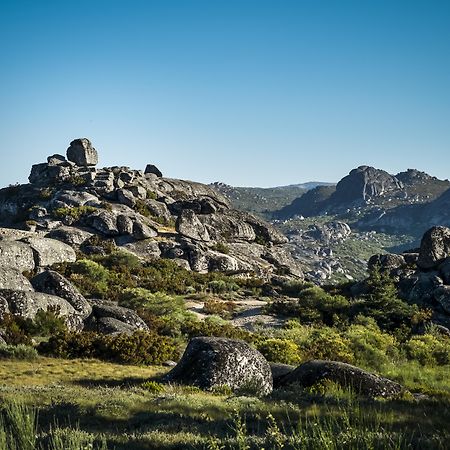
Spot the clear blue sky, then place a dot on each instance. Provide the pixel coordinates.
(248, 92)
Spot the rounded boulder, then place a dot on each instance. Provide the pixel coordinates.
(210, 362)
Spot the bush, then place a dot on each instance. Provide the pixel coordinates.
(327, 343)
(280, 350)
(371, 347)
(21, 351)
(313, 305)
(219, 308)
(13, 330)
(75, 212)
(429, 350)
(138, 348)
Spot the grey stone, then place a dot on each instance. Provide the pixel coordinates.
(126, 197)
(17, 255)
(142, 231)
(82, 153)
(110, 325)
(103, 221)
(50, 251)
(444, 269)
(124, 224)
(442, 295)
(70, 235)
(388, 261)
(27, 304)
(346, 375)
(434, 248)
(56, 159)
(153, 169)
(51, 282)
(11, 278)
(189, 225)
(210, 362)
(279, 371)
(102, 309)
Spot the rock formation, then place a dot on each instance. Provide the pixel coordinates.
(71, 200)
(213, 362)
(346, 375)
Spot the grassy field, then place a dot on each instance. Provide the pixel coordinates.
(115, 403)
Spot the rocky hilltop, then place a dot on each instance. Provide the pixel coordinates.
(367, 189)
(71, 200)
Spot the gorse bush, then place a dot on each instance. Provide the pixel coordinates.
(138, 348)
(429, 350)
(280, 350)
(20, 351)
(75, 212)
(18, 330)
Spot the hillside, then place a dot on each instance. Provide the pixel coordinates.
(263, 201)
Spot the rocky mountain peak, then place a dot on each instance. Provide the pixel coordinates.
(364, 183)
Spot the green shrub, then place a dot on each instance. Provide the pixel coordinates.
(429, 350)
(138, 348)
(219, 308)
(327, 343)
(153, 386)
(221, 247)
(46, 323)
(280, 350)
(371, 347)
(14, 330)
(75, 212)
(21, 351)
(313, 305)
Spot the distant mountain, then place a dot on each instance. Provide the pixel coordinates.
(264, 201)
(368, 191)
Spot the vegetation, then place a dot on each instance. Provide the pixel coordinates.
(121, 407)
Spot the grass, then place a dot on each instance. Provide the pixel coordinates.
(92, 400)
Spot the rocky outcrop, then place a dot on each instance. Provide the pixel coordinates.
(51, 282)
(102, 309)
(11, 278)
(423, 277)
(388, 262)
(72, 201)
(213, 362)
(364, 183)
(346, 375)
(434, 248)
(82, 153)
(151, 168)
(26, 305)
(17, 255)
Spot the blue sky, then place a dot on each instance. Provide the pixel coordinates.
(250, 92)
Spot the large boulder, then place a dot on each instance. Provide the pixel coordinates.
(82, 153)
(442, 295)
(444, 269)
(26, 305)
(109, 325)
(103, 309)
(188, 225)
(53, 283)
(346, 375)
(210, 362)
(17, 255)
(11, 278)
(151, 168)
(50, 251)
(70, 235)
(434, 248)
(387, 262)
